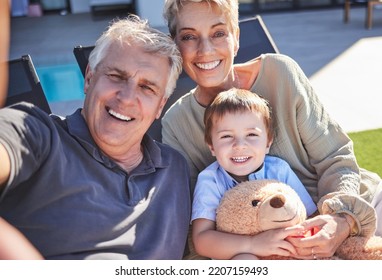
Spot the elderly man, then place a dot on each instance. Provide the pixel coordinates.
(94, 185)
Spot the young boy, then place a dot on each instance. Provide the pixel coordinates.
(239, 133)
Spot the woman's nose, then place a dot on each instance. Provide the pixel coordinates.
(205, 46)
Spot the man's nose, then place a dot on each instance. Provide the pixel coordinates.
(128, 91)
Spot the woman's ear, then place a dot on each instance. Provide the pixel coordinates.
(237, 41)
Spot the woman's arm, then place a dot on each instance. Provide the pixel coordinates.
(324, 150)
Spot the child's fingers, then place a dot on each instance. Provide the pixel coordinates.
(285, 249)
(296, 231)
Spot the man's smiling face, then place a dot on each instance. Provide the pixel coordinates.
(124, 95)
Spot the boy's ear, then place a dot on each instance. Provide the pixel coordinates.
(268, 147)
(211, 149)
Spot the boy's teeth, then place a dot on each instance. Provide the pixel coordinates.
(240, 159)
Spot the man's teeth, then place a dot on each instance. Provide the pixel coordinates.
(208, 66)
(240, 159)
(119, 116)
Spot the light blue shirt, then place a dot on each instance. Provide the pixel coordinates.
(214, 181)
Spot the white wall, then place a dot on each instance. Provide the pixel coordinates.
(151, 10)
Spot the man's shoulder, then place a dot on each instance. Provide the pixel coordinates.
(27, 114)
(28, 108)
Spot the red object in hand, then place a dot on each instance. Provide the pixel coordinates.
(307, 233)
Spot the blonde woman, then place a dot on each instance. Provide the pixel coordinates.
(318, 150)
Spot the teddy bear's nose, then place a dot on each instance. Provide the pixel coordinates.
(277, 201)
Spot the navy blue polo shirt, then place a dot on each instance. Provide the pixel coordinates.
(73, 202)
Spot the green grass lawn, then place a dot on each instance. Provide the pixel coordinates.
(368, 149)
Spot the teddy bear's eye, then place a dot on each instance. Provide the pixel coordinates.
(255, 202)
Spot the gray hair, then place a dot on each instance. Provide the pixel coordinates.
(133, 30)
(230, 8)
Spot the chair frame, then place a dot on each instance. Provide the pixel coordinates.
(16, 92)
(81, 53)
(369, 11)
(369, 16)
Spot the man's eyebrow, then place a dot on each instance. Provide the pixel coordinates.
(120, 71)
(151, 83)
(126, 75)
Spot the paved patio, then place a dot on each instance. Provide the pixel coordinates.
(343, 61)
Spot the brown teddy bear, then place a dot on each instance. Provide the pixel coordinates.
(256, 206)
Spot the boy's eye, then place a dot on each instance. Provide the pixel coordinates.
(225, 136)
(252, 134)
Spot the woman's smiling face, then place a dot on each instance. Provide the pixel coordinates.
(206, 42)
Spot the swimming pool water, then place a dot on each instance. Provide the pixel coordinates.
(62, 82)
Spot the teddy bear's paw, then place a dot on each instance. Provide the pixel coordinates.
(277, 258)
(361, 248)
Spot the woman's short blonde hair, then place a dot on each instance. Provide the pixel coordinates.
(230, 8)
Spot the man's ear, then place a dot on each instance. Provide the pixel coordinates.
(161, 106)
(88, 76)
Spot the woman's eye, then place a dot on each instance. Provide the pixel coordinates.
(219, 34)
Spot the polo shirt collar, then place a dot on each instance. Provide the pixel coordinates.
(77, 127)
